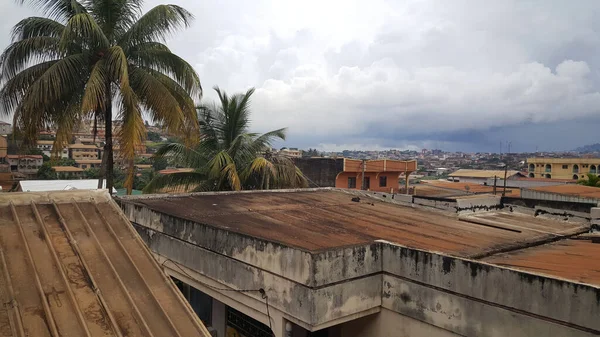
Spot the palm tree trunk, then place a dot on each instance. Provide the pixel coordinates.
(107, 168)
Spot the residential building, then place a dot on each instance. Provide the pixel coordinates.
(482, 176)
(291, 152)
(3, 147)
(562, 168)
(72, 265)
(88, 163)
(84, 152)
(381, 175)
(569, 193)
(25, 164)
(330, 262)
(68, 172)
(5, 128)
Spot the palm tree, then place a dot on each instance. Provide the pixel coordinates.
(88, 57)
(592, 180)
(228, 156)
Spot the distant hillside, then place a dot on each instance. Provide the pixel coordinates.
(588, 148)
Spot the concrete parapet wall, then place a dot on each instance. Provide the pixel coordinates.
(478, 204)
(557, 301)
(313, 306)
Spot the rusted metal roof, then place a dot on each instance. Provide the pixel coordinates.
(464, 173)
(324, 219)
(465, 188)
(572, 259)
(71, 265)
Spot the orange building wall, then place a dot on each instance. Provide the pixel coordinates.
(392, 181)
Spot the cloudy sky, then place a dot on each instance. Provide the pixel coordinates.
(456, 75)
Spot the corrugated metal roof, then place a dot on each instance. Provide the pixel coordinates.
(469, 187)
(482, 173)
(574, 259)
(325, 219)
(71, 265)
(60, 185)
(67, 169)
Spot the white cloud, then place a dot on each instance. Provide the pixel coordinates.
(340, 72)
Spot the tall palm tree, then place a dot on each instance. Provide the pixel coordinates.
(228, 156)
(592, 180)
(86, 58)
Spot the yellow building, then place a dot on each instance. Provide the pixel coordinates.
(562, 168)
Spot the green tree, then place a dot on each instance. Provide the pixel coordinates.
(592, 180)
(46, 172)
(154, 137)
(86, 57)
(228, 156)
(159, 163)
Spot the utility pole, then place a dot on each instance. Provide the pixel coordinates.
(495, 177)
(364, 164)
(505, 173)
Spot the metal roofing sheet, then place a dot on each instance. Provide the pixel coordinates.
(71, 265)
(325, 219)
(60, 185)
(482, 173)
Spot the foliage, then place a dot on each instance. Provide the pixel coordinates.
(592, 180)
(86, 56)
(46, 172)
(154, 137)
(159, 163)
(142, 179)
(62, 162)
(228, 156)
(91, 173)
(311, 153)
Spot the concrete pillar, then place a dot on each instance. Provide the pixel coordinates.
(219, 317)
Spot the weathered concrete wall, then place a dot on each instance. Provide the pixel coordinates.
(443, 204)
(537, 195)
(482, 203)
(388, 323)
(313, 306)
(474, 298)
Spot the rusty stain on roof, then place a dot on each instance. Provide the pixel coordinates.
(440, 188)
(573, 259)
(326, 219)
(571, 189)
(71, 265)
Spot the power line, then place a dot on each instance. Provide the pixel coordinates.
(261, 291)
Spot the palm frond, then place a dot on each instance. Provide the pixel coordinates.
(156, 25)
(169, 64)
(115, 17)
(15, 88)
(94, 98)
(19, 55)
(37, 26)
(83, 29)
(187, 180)
(57, 9)
(117, 67)
(157, 99)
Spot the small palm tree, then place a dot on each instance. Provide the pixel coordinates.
(228, 156)
(592, 180)
(87, 57)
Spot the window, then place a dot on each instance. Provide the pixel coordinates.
(548, 168)
(531, 167)
(593, 169)
(383, 181)
(200, 302)
(352, 182)
(575, 168)
(565, 167)
(367, 183)
(575, 177)
(531, 175)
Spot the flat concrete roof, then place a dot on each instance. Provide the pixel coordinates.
(573, 259)
(319, 220)
(71, 265)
